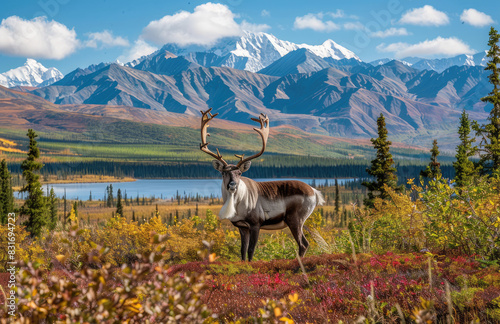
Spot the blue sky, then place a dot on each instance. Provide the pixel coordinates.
(68, 34)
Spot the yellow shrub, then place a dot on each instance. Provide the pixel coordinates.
(124, 239)
(400, 222)
(26, 248)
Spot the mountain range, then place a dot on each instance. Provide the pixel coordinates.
(439, 65)
(324, 89)
(31, 74)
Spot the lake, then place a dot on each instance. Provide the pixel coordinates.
(158, 188)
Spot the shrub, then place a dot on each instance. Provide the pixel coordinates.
(137, 293)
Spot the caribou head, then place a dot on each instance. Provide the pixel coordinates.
(231, 174)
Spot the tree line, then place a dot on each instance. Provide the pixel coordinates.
(146, 170)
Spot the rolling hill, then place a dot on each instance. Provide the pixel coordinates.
(82, 132)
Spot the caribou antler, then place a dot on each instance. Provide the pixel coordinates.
(206, 117)
(263, 132)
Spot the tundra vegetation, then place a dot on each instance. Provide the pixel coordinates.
(421, 254)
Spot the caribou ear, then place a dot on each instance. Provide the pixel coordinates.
(218, 165)
(245, 166)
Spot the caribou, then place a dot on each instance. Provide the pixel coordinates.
(251, 205)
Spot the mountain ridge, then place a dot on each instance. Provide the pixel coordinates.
(440, 64)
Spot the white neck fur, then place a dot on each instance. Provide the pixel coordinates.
(228, 210)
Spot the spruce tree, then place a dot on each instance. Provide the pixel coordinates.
(52, 209)
(6, 193)
(464, 168)
(119, 206)
(490, 133)
(433, 170)
(382, 168)
(110, 199)
(337, 197)
(34, 205)
(64, 203)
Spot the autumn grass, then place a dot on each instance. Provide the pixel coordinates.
(98, 211)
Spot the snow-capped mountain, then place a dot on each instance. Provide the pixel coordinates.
(439, 65)
(31, 74)
(387, 60)
(254, 51)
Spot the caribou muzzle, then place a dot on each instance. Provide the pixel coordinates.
(232, 187)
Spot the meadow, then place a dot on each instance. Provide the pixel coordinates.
(430, 259)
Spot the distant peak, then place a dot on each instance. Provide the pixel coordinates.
(254, 51)
(31, 74)
(251, 33)
(33, 63)
(329, 42)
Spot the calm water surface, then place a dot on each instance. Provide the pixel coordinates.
(158, 188)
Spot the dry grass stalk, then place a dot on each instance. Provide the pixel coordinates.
(302, 266)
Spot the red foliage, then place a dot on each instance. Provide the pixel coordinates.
(335, 288)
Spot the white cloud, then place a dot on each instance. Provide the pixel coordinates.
(36, 38)
(265, 13)
(256, 28)
(315, 22)
(476, 18)
(354, 25)
(140, 48)
(390, 32)
(105, 39)
(425, 16)
(204, 26)
(429, 48)
(337, 14)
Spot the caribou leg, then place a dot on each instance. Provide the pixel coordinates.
(296, 228)
(254, 237)
(245, 238)
(305, 243)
